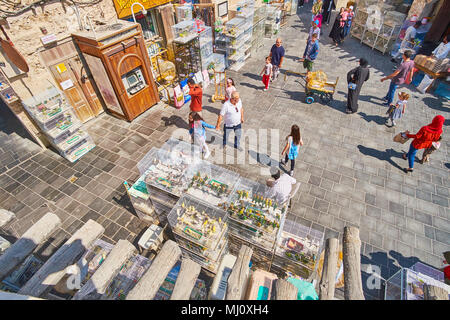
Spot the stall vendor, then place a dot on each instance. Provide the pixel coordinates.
(280, 185)
(410, 34)
(441, 52)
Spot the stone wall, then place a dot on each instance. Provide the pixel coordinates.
(57, 18)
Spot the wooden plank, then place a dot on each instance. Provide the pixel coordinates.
(23, 247)
(237, 282)
(352, 264)
(285, 290)
(434, 293)
(55, 267)
(328, 280)
(98, 283)
(189, 272)
(150, 282)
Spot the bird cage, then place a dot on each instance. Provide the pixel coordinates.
(200, 229)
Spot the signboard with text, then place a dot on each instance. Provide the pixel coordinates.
(123, 7)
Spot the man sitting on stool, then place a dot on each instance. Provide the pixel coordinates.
(280, 186)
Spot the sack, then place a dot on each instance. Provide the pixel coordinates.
(352, 86)
(401, 138)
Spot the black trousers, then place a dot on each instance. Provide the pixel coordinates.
(292, 162)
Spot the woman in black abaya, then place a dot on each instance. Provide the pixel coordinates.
(357, 77)
(338, 28)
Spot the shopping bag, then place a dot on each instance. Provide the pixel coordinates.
(401, 137)
(206, 80)
(178, 97)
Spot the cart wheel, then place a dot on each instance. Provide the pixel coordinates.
(212, 99)
(325, 98)
(309, 100)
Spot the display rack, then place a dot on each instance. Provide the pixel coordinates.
(140, 199)
(246, 11)
(379, 34)
(408, 283)
(298, 249)
(184, 12)
(236, 33)
(254, 216)
(200, 230)
(209, 183)
(206, 46)
(58, 122)
(6, 91)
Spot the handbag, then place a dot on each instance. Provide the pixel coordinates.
(400, 138)
(352, 86)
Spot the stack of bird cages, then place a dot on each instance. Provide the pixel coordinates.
(164, 178)
(186, 48)
(200, 230)
(61, 126)
(387, 36)
(237, 37)
(408, 283)
(259, 19)
(246, 11)
(359, 23)
(298, 249)
(256, 220)
(140, 199)
(206, 46)
(272, 23)
(209, 183)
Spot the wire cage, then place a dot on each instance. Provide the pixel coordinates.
(187, 56)
(209, 183)
(408, 283)
(201, 230)
(261, 257)
(254, 214)
(298, 248)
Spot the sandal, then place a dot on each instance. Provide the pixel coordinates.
(404, 156)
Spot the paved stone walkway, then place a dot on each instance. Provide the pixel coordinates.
(349, 167)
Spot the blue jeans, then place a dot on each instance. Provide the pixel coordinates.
(237, 134)
(391, 92)
(347, 29)
(411, 155)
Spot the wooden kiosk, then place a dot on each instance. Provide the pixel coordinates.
(118, 61)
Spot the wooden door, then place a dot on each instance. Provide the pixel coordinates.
(64, 64)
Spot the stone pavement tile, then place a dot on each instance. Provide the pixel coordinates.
(335, 177)
(440, 223)
(373, 211)
(111, 230)
(441, 191)
(442, 201)
(423, 217)
(312, 214)
(389, 243)
(376, 239)
(321, 205)
(405, 249)
(122, 233)
(370, 199)
(423, 243)
(414, 226)
(396, 208)
(388, 216)
(426, 186)
(439, 248)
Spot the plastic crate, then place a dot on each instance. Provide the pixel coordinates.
(68, 123)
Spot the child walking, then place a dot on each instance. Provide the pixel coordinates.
(197, 130)
(293, 141)
(230, 89)
(396, 111)
(426, 153)
(266, 73)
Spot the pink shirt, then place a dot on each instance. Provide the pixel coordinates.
(229, 91)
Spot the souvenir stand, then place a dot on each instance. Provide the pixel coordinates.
(186, 48)
(298, 249)
(256, 220)
(57, 121)
(408, 283)
(259, 19)
(200, 229)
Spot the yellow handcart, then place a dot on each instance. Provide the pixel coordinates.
(317, 84)
(220, 84)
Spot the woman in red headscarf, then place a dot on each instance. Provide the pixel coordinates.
(423, 139)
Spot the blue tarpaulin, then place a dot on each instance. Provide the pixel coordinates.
(306, 289)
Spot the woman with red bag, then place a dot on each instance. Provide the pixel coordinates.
(423, 139)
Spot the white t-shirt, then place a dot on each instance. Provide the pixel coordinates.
(231, 116)
(282, 188)
(267, 69)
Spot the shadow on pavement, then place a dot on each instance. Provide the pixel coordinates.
(382, 155)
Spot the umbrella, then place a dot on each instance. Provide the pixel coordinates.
(306, 289)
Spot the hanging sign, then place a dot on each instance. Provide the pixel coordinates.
(123, 7)
(61, 67)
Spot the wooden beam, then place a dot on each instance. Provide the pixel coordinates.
(55, 268)
(237, 282)
(285, 290)
(98, 283)
(434, 293)
(22, 248)
(189, 272)
(150, 282)
(329, 270)
(352, 264)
